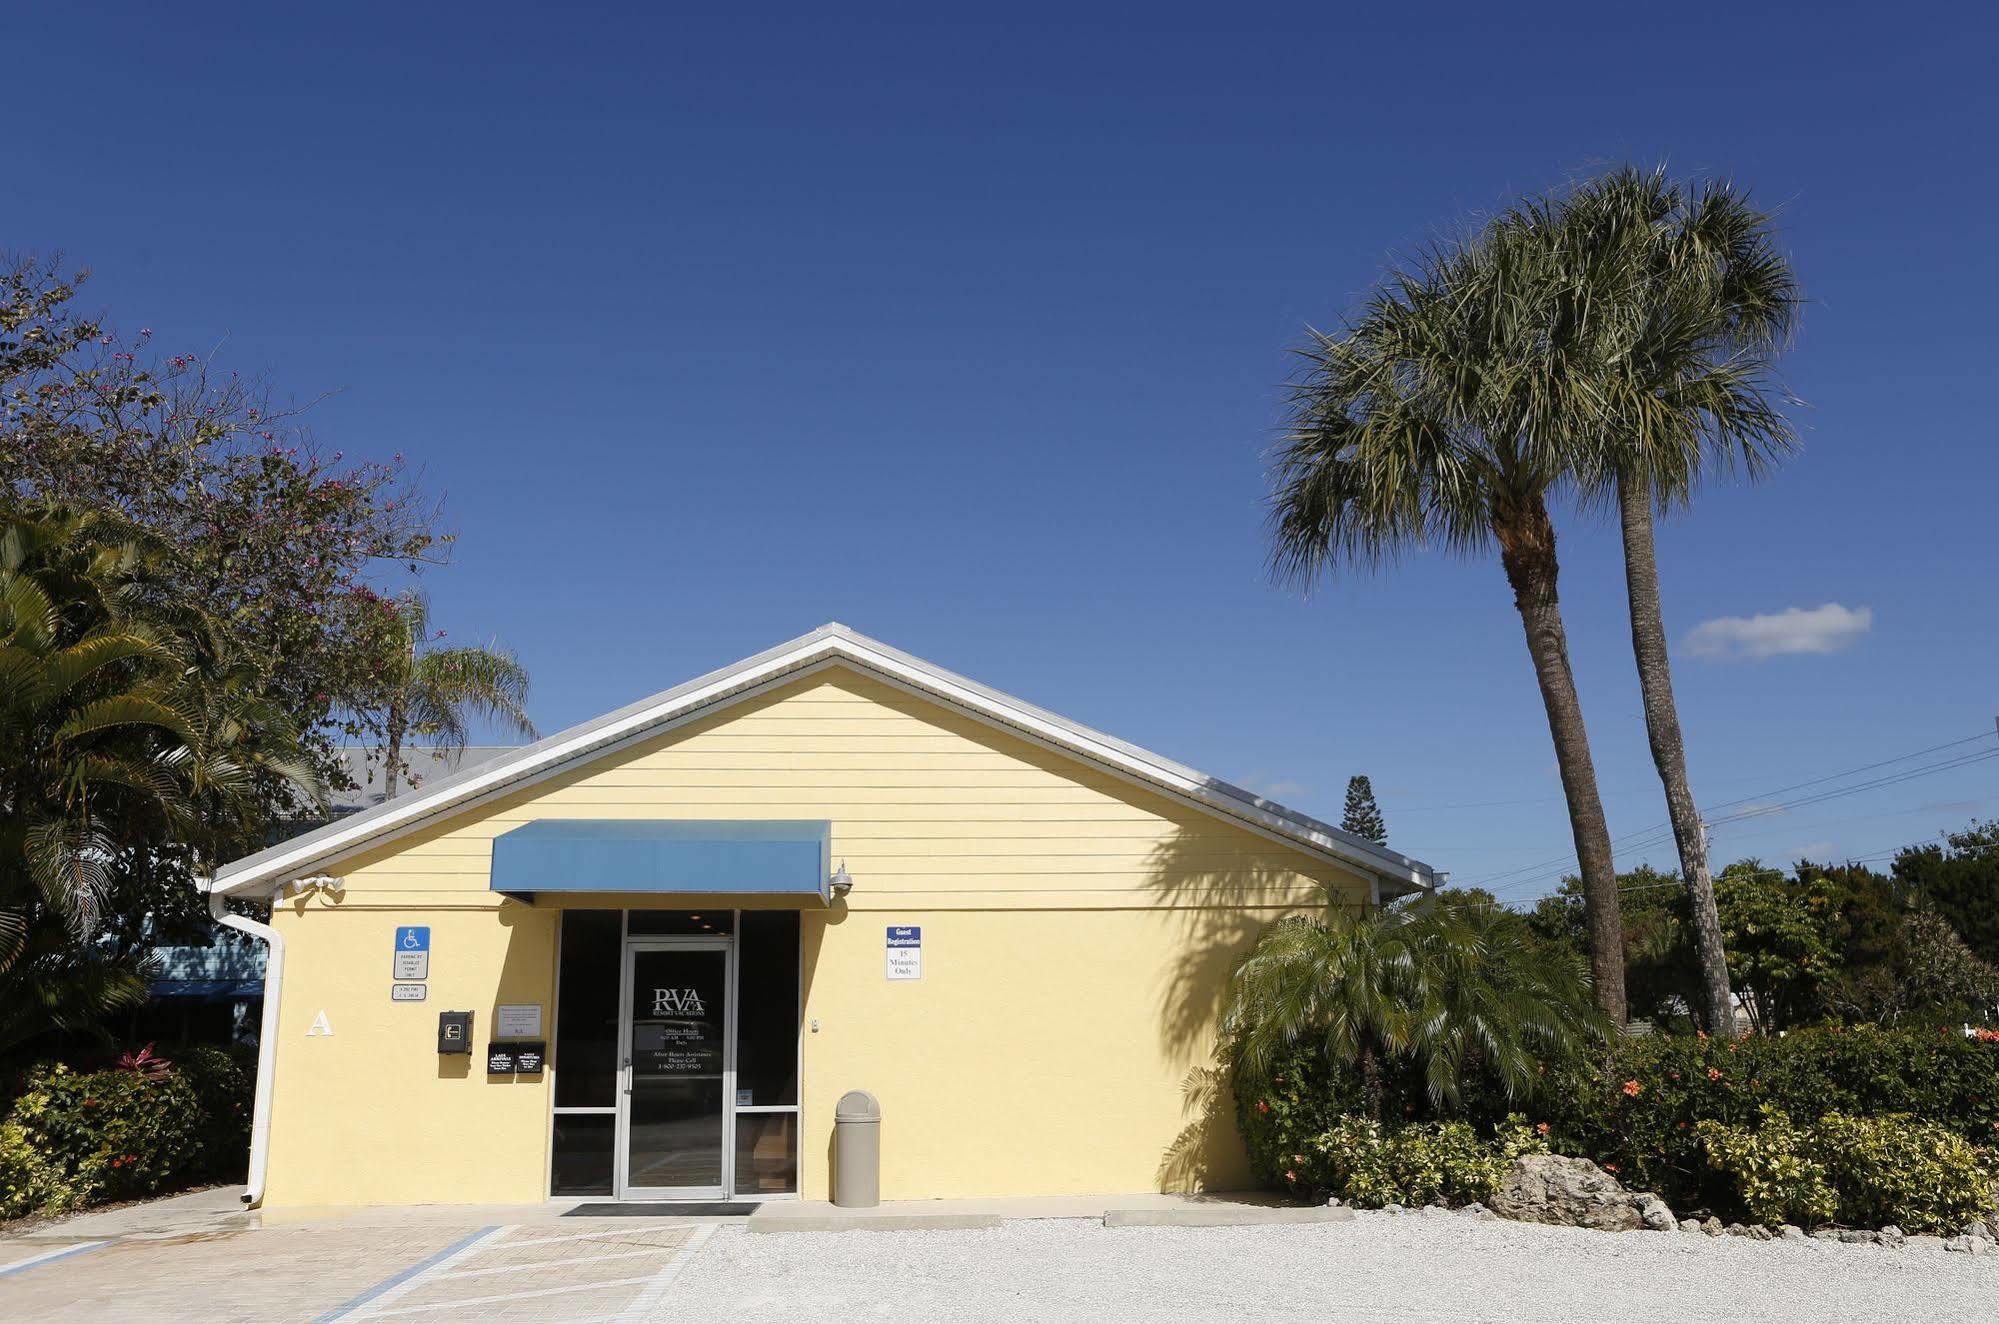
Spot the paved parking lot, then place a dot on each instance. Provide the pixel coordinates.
(356, 1270)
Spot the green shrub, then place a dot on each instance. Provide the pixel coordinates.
(78, 1138)
(1863, 1171)
(1641, 1110)
(223, 1081)
(1777, 1180)
(28, 1181)
(1902, 1170)
(1371, 1165)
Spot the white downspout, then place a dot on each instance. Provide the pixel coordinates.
(267, 1040)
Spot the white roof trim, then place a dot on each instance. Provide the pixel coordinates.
(823, 647)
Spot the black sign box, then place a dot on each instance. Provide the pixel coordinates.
(454, 1031)
(519, 1055)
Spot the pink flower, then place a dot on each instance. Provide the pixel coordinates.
(1633, 1089)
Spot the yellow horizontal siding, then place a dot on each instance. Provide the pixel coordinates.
(923, 800)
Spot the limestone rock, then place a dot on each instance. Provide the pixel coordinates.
(1712, 1226)
(1855, 1236)
(1791, 1232)
(1689, 1225)
(1568, 1192)
(1653, 1212)
(1758, 1232)
(1890, 1236)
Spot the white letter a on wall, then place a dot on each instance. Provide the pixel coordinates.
(320, 1026)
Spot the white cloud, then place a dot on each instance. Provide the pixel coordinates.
(1824, 629)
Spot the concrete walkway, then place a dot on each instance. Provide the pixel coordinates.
(1148, 1210)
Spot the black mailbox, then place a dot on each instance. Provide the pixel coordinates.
(454, 1031)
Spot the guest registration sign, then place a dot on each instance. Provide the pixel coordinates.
(905, 951)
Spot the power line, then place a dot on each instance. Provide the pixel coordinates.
(1646, 839)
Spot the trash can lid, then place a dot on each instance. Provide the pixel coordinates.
(857, 1106)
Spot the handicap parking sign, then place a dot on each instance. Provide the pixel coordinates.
(412, 954)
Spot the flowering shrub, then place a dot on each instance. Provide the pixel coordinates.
(77, 1138)
(1655, 1135)
(1652, 1136)
(1863, 1171)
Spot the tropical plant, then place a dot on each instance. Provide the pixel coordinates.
(274, 536)
(1679, 299)
(1363, 815)
(427, 693)
(1444, 414)
(125, 728)
(1453, 989)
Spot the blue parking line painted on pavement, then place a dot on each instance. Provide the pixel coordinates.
(37, 1261)
(349, 1307)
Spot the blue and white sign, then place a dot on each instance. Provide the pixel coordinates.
(905, 951)
(412, 953)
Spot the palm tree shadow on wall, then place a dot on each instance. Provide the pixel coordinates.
(1218, 903)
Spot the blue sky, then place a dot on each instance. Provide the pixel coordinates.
(713, 326)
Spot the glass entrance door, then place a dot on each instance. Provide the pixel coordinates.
(673, 1114)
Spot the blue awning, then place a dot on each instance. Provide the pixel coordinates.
(737, 857)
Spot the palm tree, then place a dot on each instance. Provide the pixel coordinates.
(1687, 299)
(124, 729)
(1450, 983)
(428, 693)
(1439, 418)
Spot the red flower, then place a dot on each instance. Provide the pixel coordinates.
(1542, 1128)
(1262, 1107)
(1610, 1167)
(1290, 1175)
(1714, 1073)
(1633, 1089)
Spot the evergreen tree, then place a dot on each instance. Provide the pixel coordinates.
(1363, 816)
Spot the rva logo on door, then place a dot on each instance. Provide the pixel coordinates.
(677, 1002)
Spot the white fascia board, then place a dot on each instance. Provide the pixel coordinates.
(822, 647)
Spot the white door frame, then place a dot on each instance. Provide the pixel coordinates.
(625, 1191)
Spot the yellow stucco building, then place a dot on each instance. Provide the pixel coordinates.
(682, 931)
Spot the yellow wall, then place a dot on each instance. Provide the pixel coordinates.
(1077, 931)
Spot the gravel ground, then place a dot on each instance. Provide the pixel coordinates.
(1380, 1266)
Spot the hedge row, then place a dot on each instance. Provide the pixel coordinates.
(74, 1138)
(1639, 1111)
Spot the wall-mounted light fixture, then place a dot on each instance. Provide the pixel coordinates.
(841, 882)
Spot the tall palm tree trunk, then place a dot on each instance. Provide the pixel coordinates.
(1527, 552)
(392, 767)
(1662, 725)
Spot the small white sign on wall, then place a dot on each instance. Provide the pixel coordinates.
(519, 1020)
(905, 951)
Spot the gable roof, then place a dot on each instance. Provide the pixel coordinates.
(829, 645)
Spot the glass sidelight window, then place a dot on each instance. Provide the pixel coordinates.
(585, 1056)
